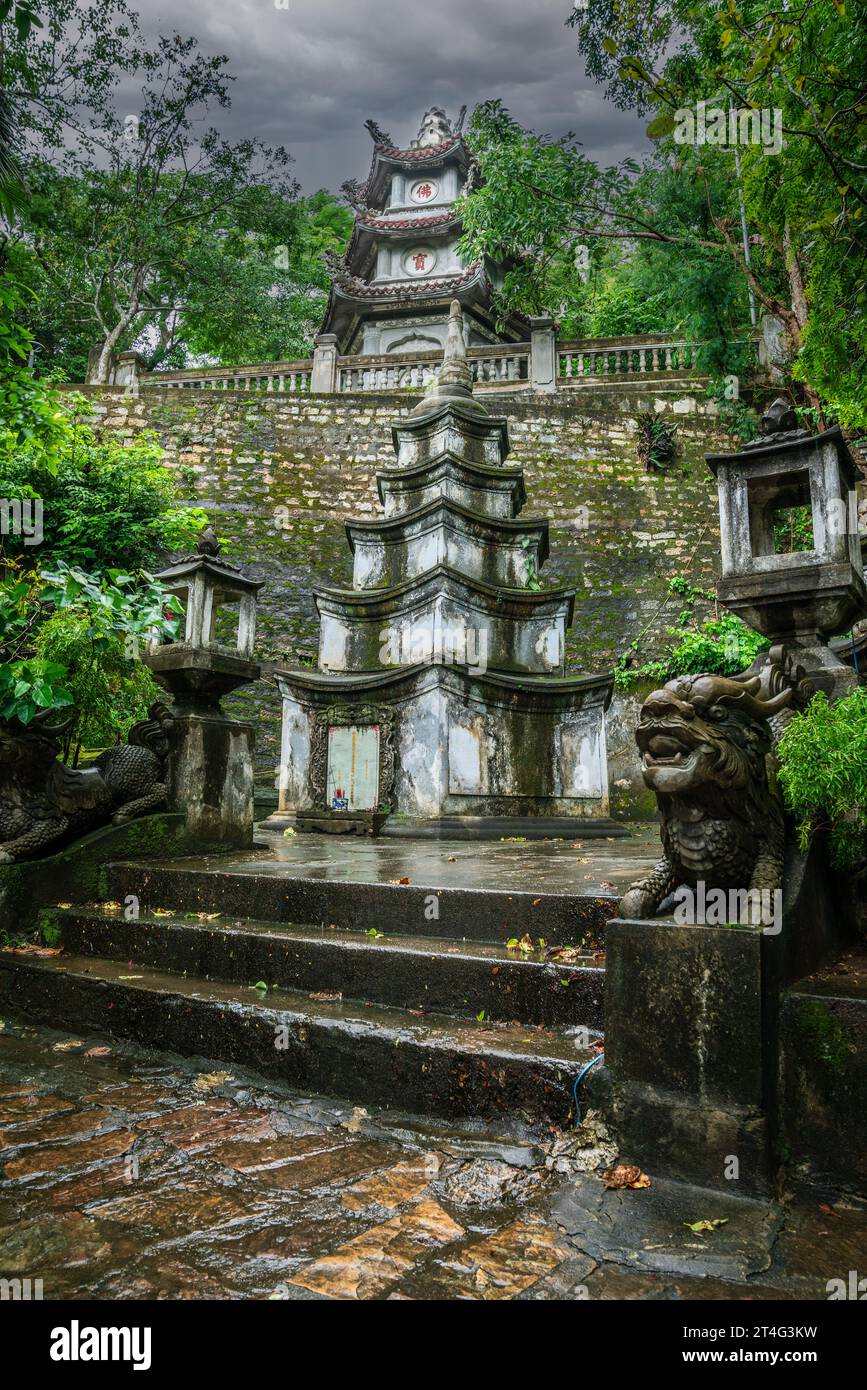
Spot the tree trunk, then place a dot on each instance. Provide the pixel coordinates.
(104, 363)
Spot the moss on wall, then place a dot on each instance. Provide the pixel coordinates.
(279, 474)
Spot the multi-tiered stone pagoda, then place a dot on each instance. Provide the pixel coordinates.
(391, 291)
(441, 688)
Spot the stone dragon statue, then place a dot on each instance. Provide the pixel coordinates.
(44, 803)
(707, 752)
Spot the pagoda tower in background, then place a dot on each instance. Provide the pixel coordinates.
(392, 289)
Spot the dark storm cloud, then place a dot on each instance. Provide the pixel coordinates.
(308, 75)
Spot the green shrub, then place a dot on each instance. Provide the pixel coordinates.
(103, 500)
(68, 636)
(722, 644)
(111, 691)
(823, 773)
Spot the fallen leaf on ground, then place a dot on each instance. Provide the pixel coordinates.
(525, 944)
(208, 1080)
(32, 950)
(625, 1175)
(325, 996)
(163, 912)
(69, 1046)
(563, 953)
(97, 1052)
(713, 1225)
(356, 1119)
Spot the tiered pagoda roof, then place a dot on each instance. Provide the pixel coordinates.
(445, 652)
(376, 285)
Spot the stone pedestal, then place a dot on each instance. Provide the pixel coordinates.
(692, 1033)
(210, 777)
(686, 1052)
(323, 378)
(543, 354)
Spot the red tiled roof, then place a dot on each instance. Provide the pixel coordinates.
(391, 153)
(359, 289)
(406, 224)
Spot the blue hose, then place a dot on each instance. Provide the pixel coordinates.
(578, 1079)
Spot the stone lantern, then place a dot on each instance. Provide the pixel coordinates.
(804, 587)
(211, 765)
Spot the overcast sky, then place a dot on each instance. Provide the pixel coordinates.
(308, 75)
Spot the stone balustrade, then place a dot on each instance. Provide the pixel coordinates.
(640, 356)
(264, 376)
(491, 367)
(507, 367)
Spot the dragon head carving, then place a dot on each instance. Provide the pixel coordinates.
(706, 744)
(707, 729)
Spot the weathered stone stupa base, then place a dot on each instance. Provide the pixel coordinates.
(456, 744)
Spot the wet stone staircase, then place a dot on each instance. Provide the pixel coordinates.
(388, 994)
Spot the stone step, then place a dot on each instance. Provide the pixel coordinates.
(364, 1053)
(406, 971)
(823, 1045)
(483, 828)
(265, 891)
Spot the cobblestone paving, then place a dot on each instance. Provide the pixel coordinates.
(133, 1174)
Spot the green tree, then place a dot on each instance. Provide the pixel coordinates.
(102, 501)
(23, 17)
(31, 420)
(802, 210)
(263, 296)
(543, 206)
(129, 211)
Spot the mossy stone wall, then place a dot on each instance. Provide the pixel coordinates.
(279, 474)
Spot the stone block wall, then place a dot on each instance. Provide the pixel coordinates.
(279, 474)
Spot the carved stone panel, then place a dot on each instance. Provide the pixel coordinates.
(352, 760)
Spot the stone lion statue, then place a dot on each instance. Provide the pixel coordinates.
(44, 803)
(706, 745)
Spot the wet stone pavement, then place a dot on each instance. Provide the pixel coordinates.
(132, 1174)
